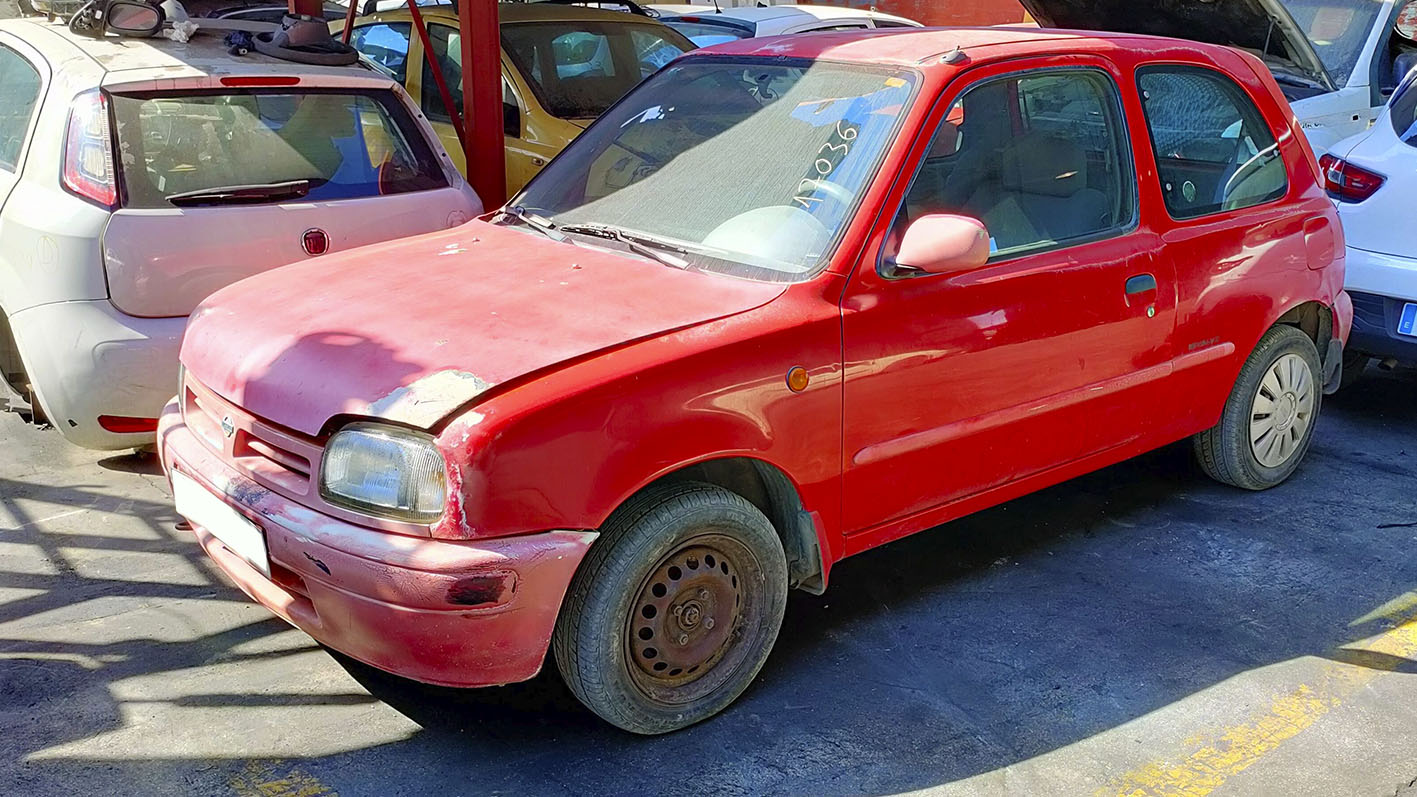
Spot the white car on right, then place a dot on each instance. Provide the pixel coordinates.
(707, 25)
(1373, 179)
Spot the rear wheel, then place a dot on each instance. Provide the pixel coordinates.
(675, 609)
(1269, 418)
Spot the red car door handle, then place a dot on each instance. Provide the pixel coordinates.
(1141, 283)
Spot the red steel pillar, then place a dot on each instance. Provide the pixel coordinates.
(309, 8)
(482, 99)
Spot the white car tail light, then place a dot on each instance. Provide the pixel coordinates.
(88, 151)
(1346, 182)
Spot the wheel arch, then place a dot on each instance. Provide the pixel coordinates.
(12, 368)
(1315, 319)
(768, 488)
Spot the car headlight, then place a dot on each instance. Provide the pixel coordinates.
(384, 471)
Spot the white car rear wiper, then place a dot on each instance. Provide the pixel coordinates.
(642, 244)
(239, 194)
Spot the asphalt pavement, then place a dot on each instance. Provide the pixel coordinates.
(1141, 630)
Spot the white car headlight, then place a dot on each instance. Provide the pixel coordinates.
(385, 471)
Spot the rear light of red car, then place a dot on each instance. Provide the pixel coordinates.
(88, 151)
(1347, 182)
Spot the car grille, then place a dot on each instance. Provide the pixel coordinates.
(274, 458)
(282, 461)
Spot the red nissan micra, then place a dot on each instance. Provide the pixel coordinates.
(790, 299)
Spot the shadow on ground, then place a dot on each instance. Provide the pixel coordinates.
(963, 650)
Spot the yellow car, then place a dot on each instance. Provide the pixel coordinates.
(562, 66)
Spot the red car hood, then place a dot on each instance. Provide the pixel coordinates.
(411, 330)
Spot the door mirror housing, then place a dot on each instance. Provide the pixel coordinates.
(511, 119)
(133, 18)
(943, 243)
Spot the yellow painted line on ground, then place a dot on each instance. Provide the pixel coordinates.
(1288, 715)
(266, 780)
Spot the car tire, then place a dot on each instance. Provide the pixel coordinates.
(674, 610)
(1269, 417)
(1354, 364)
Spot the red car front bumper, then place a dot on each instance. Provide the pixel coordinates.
(475, 613)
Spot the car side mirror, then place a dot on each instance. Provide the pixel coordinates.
(942, 243)
(511, 119)
(133, 18)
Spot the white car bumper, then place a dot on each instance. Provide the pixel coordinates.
(1381, 275)
(87, 359)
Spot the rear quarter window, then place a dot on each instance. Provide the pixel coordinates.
(1403, 112)
(19, 91)
(178, 150)
(1214, 150)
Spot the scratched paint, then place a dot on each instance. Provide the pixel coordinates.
(1288, 715)
(427, 400)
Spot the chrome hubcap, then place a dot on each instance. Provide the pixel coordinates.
(1282, 411)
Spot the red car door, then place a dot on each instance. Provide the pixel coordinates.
(1054, 350)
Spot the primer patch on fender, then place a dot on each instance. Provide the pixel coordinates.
(427, 400)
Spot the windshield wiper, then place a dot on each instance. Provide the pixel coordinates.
(541, 224)
(238, 194)
(641, 244)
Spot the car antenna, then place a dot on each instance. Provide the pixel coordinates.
(716, 9)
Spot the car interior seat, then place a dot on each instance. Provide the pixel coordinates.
(1041, 194)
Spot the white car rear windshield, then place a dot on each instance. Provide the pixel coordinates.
(267, 146)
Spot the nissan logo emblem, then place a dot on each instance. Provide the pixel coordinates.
(227, 427)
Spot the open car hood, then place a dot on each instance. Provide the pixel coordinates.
(1246, 24)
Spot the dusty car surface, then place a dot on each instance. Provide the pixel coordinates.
(1336, 61)
(681, 375)
(562, 66)
(139, 175)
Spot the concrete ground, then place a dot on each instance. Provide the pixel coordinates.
(1138, 631)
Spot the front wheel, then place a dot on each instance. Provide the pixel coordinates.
(675, 609)
(1269, 418)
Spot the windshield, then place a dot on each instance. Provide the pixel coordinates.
(1337, 29)
(750, 168)
(578, 69)
(177, 149)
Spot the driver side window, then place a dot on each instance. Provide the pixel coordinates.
(1213, 150)
(1040, 157)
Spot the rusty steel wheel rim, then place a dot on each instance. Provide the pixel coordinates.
(687, 624)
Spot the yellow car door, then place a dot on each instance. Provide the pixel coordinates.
(528, 148)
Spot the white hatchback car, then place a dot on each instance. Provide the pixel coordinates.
(139, 175)
(1373, 177)
(707, 25)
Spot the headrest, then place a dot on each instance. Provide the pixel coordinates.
(1043, 164)
(946, 141)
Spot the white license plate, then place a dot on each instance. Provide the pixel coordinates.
(202, 508)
